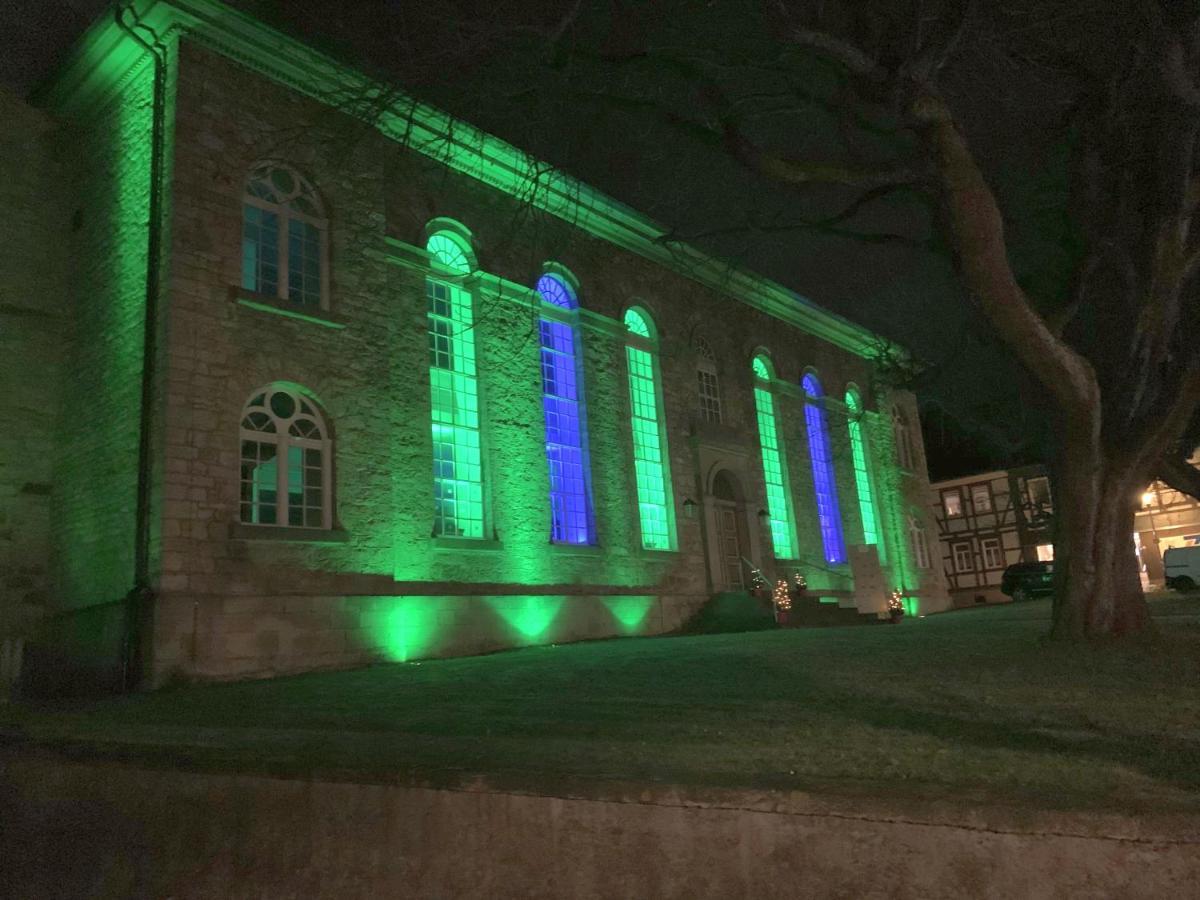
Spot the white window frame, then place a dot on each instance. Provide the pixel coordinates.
(919, 541)
(989, 545)
(985, 490)
(284, 214)
(960, 550)
(708, 389)
(1038, 479)
(282, 440)
(957, 495)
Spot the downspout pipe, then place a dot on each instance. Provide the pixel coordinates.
(139, 602)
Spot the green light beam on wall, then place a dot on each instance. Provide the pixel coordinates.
(629, 612)
(405, 627)
(529, 616)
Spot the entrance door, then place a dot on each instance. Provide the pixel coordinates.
(731, 546)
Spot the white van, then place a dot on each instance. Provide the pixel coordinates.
(1182, 567)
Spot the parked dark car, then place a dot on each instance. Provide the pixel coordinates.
(1023, 581)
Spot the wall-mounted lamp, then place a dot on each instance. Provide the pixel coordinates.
(689, 508)
(764, 518)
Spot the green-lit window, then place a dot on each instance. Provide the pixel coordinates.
(285, 461)
(454, 395)
(649, 439)
(862, 474)
(783, 531)
(284, 237)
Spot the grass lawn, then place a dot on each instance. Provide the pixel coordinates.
(971, 705)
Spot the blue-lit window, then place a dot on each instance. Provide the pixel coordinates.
(571, 519)
(824, 482)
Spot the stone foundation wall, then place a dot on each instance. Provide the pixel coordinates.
(203, 637)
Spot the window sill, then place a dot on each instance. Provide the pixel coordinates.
(286, 308)
(656, 553)
(444, 542)
(240, 531)
(590, 551)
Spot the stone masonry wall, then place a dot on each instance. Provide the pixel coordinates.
(106, 151)
(369, 373)
(32, 288)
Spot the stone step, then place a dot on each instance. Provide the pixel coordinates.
(731, 611)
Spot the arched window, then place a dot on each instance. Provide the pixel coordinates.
(454, 392)
(285, 237)
(285, 461)
(919, 541)
(447, 250)
(708, 385)
(783, 531)
(902, 438)
(824, 482)
(649, 437)
(862, 473)
(562, 402)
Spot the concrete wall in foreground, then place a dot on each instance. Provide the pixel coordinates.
(104, 830)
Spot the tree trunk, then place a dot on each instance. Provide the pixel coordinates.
(1097, 590)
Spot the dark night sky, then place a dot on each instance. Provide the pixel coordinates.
(904, 293)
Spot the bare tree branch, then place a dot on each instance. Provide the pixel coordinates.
(1180, 81)
(565, 22)
(932, 57)
(848, 56)
(804, 172)
(1160, 431)
(1176, 472)
(823, 226)
(978, 231)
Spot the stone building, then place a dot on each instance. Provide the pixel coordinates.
(341, 384)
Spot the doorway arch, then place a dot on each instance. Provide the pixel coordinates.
(729, 547)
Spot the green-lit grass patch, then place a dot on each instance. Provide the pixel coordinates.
(973, 704)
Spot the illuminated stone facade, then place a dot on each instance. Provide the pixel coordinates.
(238, 592)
